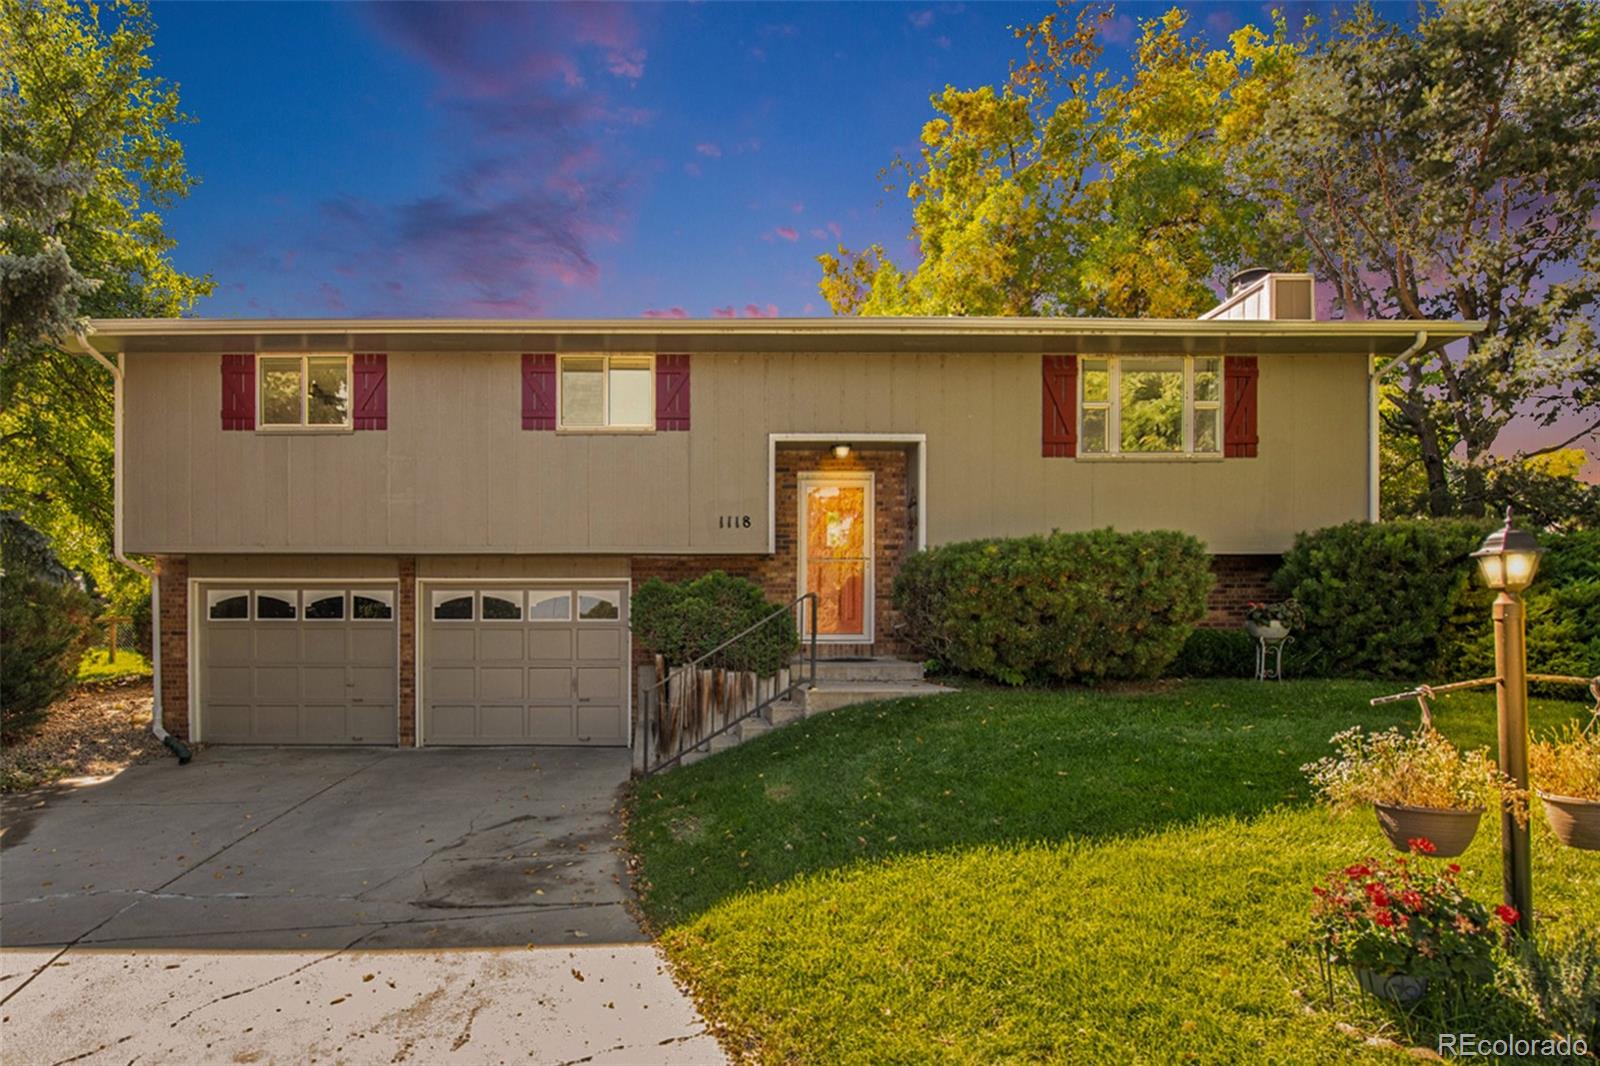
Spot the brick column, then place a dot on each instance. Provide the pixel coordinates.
(173, 573)
(408, 651)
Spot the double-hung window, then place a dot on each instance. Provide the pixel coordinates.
(607, 392)
(1150, 405)
(304, 391)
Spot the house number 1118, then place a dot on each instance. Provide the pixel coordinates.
(733, 521)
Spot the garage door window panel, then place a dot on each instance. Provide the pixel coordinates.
(501, 606)
(372, 605)
(552, 606)
(323, 606)
(227, 605)
(277, 606)
(599, 606)
(451, 606)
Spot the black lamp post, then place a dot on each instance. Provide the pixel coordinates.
(1508, 560)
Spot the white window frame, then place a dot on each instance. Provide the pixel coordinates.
(304, 426)
(448, 594)
(292, 595)
(216, 596)
(605, 393)
(385, 596)
(516, 596)
(310, 596)
(1112, 406)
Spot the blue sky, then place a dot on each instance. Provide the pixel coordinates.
(523, 160)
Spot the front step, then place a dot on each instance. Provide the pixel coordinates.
(881, 668)
(831, 695)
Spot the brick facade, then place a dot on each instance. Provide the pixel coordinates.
(172, 571)
(1241, 580)
(407, 619)
(894, 535)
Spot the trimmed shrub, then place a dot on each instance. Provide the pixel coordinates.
(1067, 607)
(1215, 653)
(143, 631)
(44, 630)
(1377, 597)
(685, 620)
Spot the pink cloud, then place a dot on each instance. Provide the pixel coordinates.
(942, 41)
(709, 150)
(787, 233)
(724, 312)
(670, 312)
(692, 169)
(836, 229)
(819, 233)
(1119, 30)
(755, 311)
(798, 207)
(921, 19)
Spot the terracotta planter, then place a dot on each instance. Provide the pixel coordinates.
(1271, 631)
(1449, 830)
(1575, 822)
(1394, 987)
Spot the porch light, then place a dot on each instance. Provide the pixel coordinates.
(1509, 558)
(841, 451)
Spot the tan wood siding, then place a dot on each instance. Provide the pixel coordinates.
(456, 473)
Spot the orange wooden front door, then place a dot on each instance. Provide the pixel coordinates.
(836, 521)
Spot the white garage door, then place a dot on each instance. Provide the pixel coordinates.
(303, 664)
(533, 665)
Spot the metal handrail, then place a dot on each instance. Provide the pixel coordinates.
(656, 693)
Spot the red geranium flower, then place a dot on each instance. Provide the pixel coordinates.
(1421, 845)
(1507, 913)
(1454, 867)
(1412, 900)
(1358, 871)
(1377, 894)
(1384, 918)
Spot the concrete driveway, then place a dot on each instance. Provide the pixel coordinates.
(333, 905)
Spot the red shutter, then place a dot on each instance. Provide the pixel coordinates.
(1239, 406)
(672, 392)
(1059, 435)
(239, 391)
(372, 390)
(539, 391)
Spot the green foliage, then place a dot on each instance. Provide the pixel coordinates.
(1065, 192)
(91, 160)
(1215, 653)
(1377, 596)
(683, 621)
(1447, 170)
(1558, 979)
(1563, 617)
(44, 629)
(1067, 607)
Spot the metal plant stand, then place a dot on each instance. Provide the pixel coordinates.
(1269, 650)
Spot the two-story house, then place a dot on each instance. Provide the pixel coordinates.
(426, 531)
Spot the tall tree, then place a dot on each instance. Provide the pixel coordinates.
(1067, 191)
(90, 159)
(1453, 170)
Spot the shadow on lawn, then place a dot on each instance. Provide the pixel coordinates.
(988, 766)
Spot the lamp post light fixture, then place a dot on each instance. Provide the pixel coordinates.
(1507, 561)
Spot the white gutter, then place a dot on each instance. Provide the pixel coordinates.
(1375, 375)
(116, 369)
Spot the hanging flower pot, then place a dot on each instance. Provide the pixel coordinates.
(1566, 767)
(1575, 822)
(1428, 795)
(1448, 830)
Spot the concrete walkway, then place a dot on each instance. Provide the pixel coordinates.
(330, 905)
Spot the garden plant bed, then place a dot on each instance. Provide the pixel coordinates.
(1070, 875)
(96, 730)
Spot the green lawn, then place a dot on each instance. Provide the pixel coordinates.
(97, 665)
(1072, 876)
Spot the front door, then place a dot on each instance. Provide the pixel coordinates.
(836, 554)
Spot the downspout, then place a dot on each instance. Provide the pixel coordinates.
(1375, 376)
(170, 742)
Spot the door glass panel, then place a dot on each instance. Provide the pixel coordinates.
(550, 606)
(582, 391)
(276, 605)
(227, 605)
(502, 606)
(372, 605)
(841, 596)
(452, 606)
(836, 557)
(280, 391)
(599, 605)
(324, 605)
